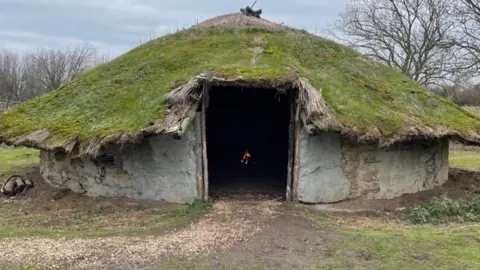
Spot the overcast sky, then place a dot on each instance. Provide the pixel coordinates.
(115, 26)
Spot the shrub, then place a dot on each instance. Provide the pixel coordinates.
(444, 209)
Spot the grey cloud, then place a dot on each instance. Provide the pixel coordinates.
(117, 25)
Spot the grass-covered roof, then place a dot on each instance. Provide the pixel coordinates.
(126, 95)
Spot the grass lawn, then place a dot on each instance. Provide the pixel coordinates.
(374, 243)
(465, 159)
(16, 160)
(79, 217)
(473, 109)
(361, 242)
(96, 219)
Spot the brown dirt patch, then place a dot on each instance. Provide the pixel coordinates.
(461, 184)
(238, 233)
(229, 223)
(288, 242)
(44, 198)
(50, 212)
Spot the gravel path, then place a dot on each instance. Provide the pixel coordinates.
(228, 223)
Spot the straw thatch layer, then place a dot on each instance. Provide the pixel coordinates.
(181, 101)
(157, 87)
(238, 20)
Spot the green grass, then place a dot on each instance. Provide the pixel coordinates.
(473, 109)
(465, 159)
(414, 247)
(444, 209)
(126, 94)
(16, 160)
(96, 220)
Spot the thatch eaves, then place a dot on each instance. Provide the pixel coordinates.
(153, 88)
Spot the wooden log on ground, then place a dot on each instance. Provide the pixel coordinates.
(19, 185)
(28, 182)
(10, 186)
(15, 184)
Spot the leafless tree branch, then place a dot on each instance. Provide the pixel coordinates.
(468, 14)
(412, 36)
(32, 74)
(56, 67)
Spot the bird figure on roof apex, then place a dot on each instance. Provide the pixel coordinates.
(250, 12)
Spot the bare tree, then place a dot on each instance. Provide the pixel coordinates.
(409, 35)
(55, 67)
(25, 76)
(100, 59)
(12, 84)
(456, 90)
(468, 12)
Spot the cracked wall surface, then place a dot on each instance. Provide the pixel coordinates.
(330, 166)
(331, 170)
(160, 168)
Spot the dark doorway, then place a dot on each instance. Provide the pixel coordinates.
(257, 120)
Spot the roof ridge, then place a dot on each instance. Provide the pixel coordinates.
(239, 20)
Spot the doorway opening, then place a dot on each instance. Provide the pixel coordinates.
(240, 119)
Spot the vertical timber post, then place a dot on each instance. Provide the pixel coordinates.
(198, 153)
(291, 145)
(205, 101)
(296, 167)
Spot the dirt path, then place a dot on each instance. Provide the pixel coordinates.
(229, 223)
(288, 242)
(255, 234)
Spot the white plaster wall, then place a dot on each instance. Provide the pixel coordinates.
(161, 168)
(165, 168)
(389, 173)
(331, 171)
(321, 169)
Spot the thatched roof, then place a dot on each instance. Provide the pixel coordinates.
(238, 20)
(151, 89)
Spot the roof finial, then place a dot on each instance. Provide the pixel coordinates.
(250, 12)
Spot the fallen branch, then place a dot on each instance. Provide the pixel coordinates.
(14, 185)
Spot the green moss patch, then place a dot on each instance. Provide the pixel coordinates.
(473, 109)
(126, 94)
(16, 160)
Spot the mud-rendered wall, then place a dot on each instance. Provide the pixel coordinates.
(161, 168)
(332, 170)
(321, 170)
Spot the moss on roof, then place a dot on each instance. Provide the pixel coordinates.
(126, 94)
